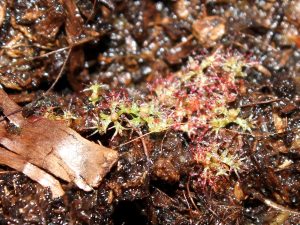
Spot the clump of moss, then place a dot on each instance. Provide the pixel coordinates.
(194, 100)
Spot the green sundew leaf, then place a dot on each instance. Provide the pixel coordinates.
(187, 76)
(244, 124)
(153, 109)
(156, 125)
(69, 115)
(134, 109)
(200, 80)
(218, 123)
(241, 74)
(144, 110)
(237, 167)
(232, 114)
(121, 108)
(222, 171)
(118, 128)
(235, 66)
(207, 62)
(151, 123)
(185, 128)
(220, 110)
(224, 154)
(105, 120)
(93, 100)
(232, 161)
(104, 126)
(104, 116)
(113, 106)
(136, 122)
(227, 158)
(95, 92)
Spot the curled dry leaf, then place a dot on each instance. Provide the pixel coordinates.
(294, 39)
(293, 12)
(181, 9)
(279, 123)
(262, 69)
(209, 30)
(180, 51)
(2, 11)
(296, 142)
(40, 144)
(238, 192)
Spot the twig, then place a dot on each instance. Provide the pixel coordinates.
(59, 74)
(144, 144)
(267, 134)
(162, 141)
(83, 41)
(128, 142)
(9, 172)
(185, 198)
(141, 136)
(274, 205)
(189, 194)
(260, 103)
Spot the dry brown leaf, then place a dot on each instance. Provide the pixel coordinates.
(238, 192)
(209, 30)
(279, 123)
(2, 11)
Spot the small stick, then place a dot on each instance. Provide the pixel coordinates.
(260, 103)
(60, 73)
(185, 198)
(128, 142)
(138, 131)
(189, 194)
(267, 134)
(144, 144)
(162, 141)
(274, 205)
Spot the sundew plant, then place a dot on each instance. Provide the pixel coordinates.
(194, 100)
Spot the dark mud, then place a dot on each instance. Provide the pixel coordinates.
(128, 44)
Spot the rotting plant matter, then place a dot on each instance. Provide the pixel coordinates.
(195, 101)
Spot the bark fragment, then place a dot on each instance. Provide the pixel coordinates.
(18, 163)
(53, 146)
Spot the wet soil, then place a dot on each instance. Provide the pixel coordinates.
(127, 44)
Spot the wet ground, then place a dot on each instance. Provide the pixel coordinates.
(128, 44)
